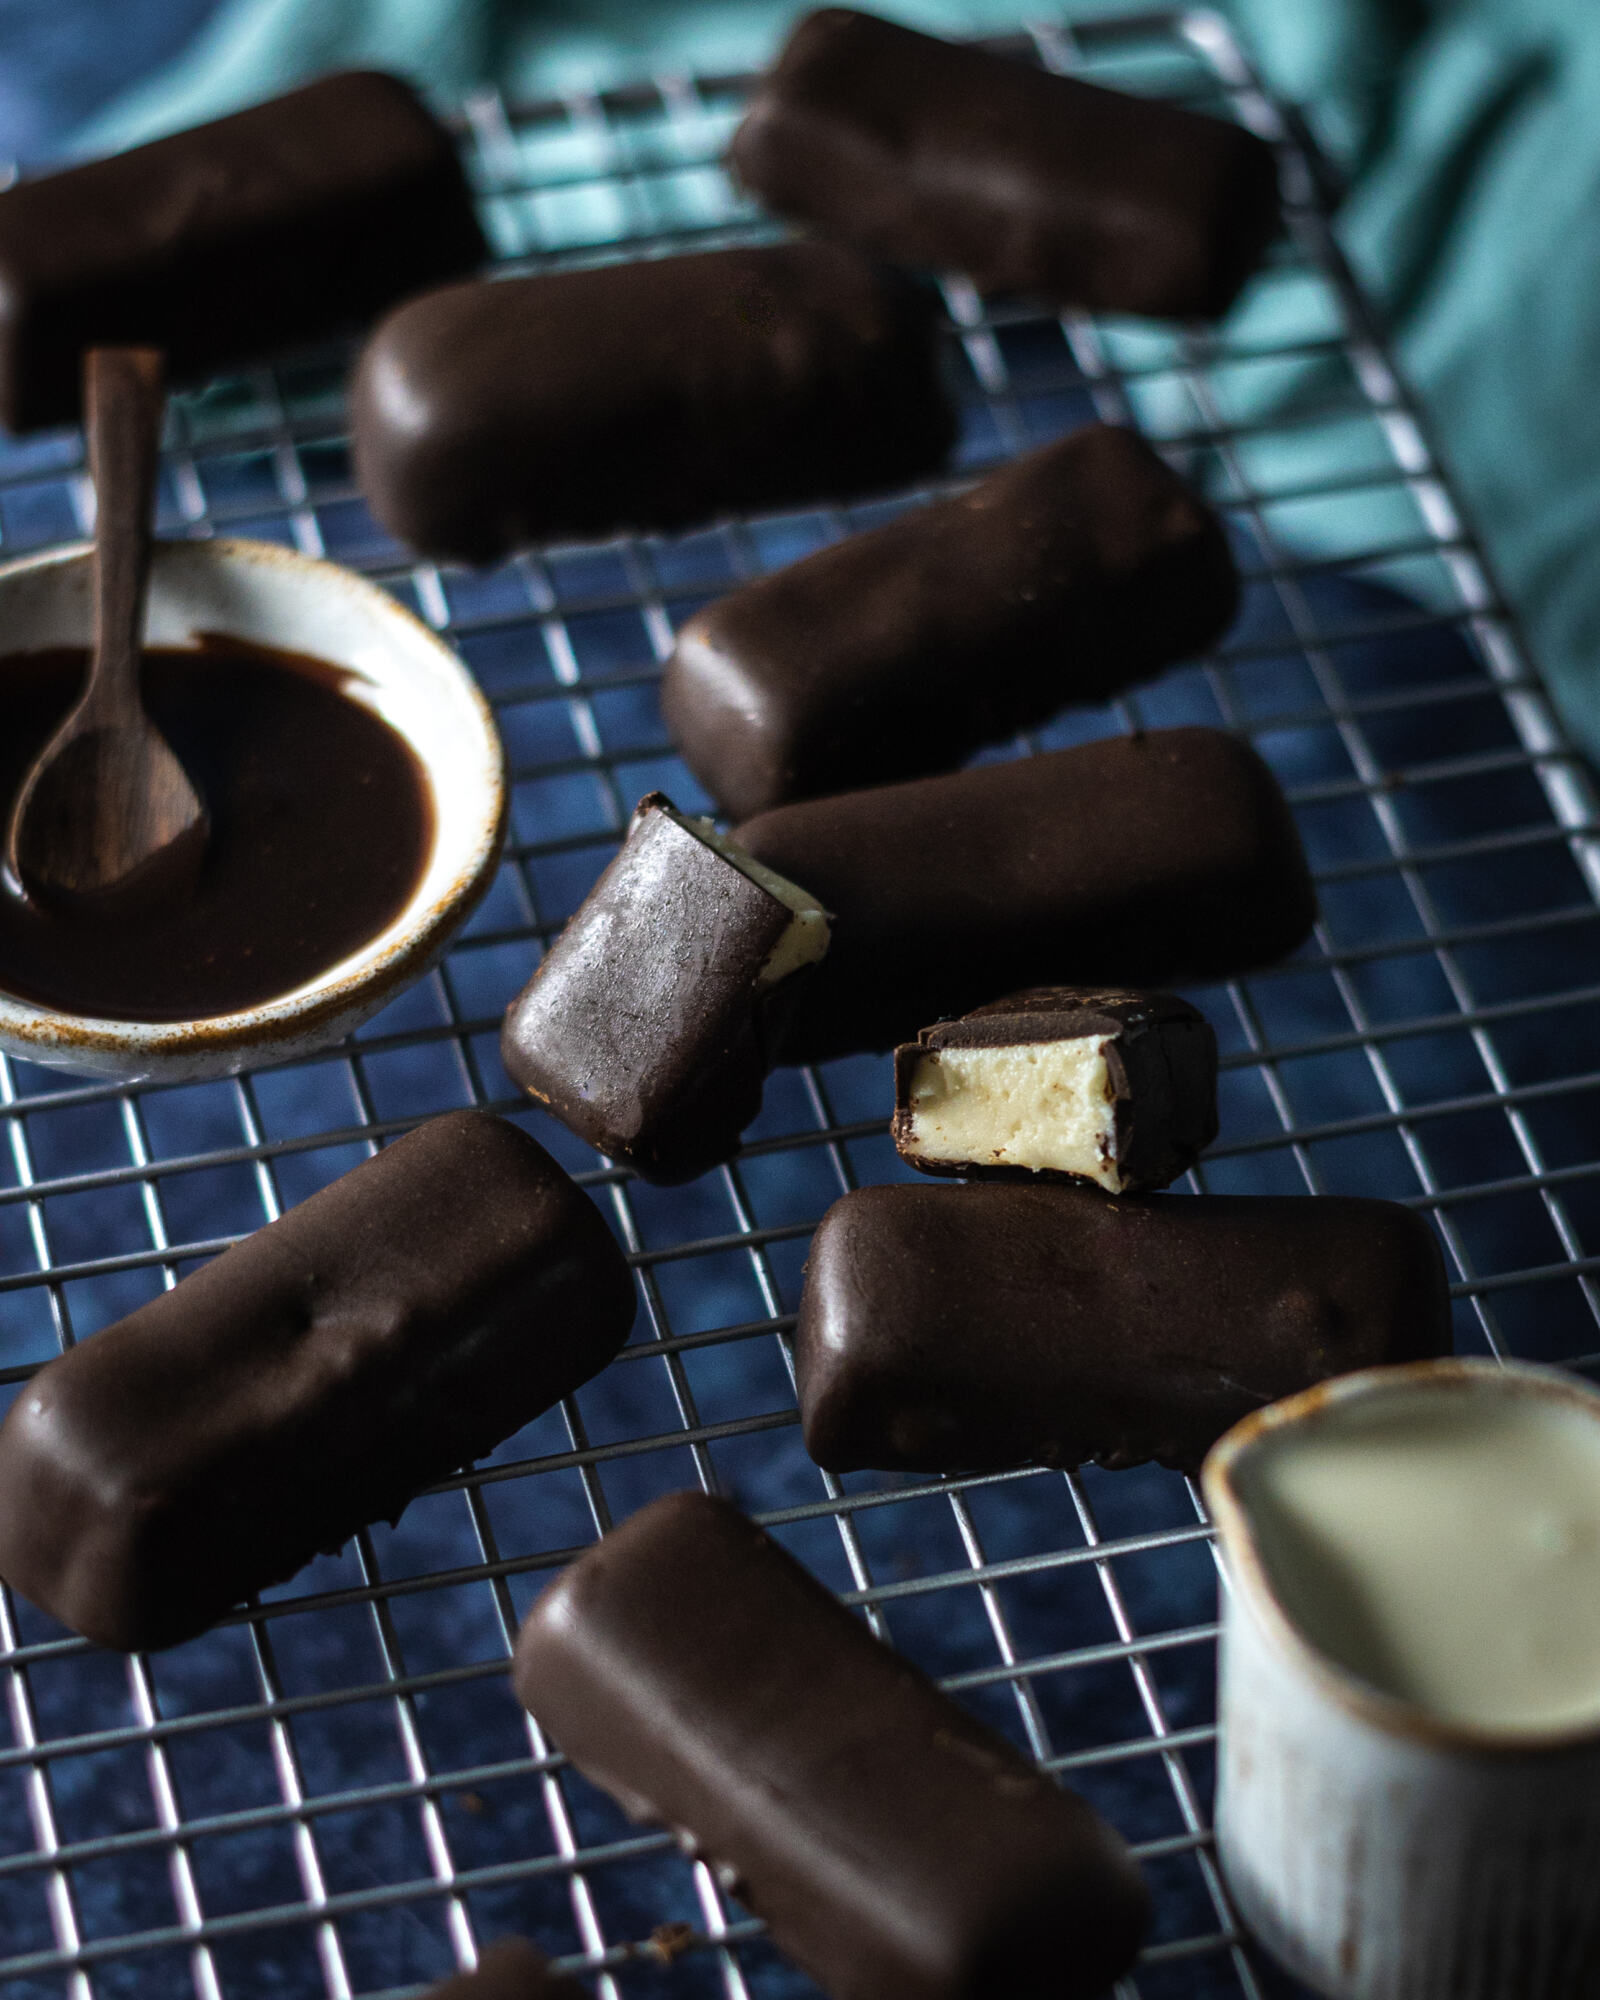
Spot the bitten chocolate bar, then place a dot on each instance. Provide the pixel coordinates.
(510, 1969)
(310, 1380)
(645, 395)
(651, 1024)
(1061, 1083)
(958, 1329)
(1139, 860)
(1066, 575)
(897, 1849)
(946, 157)
(282, 223)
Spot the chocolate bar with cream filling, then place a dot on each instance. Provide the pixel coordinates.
(951, 158)
(1061, 1083)
(283, 223)
(645, 395)
(896, 1848)
(956, 1329)
(508, 1969)
(650, 1025)
(1064, 576)
(1136, 860)
(311, 1380)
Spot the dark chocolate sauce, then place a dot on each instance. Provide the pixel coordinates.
(321, 825)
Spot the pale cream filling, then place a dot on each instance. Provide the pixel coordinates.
(1444, 1547)
(1036, 1105)
(806, 939)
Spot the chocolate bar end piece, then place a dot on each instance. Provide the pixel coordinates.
(310, 1380)
(1061, 1083)
(650, 1025)
(893, 1844)
(282, 223)
(947, 1329)
(508, 1969)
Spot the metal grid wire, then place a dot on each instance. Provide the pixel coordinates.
(335, 1791)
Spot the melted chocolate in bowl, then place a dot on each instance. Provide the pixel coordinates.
(321, 826)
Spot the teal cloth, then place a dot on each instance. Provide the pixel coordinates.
(1470, 131)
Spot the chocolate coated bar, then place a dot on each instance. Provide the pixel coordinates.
(282, 223)
(1137, 860)
(645, 395)
(1061, 1083)
(1064, 576)
(930, 154)
(309, 1381)
(897, 1849)
(951, 1329)
(509, 1969)
(649, 1027)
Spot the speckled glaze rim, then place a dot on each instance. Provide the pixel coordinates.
(1249, 1575)
(325, 1009)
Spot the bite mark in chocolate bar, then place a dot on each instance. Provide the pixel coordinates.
(894, 1846)
(309, 1381)
(1061, 1082)
(508, 1969)
(956, 1329)
(279, 224)
(645, 395)
(1064, 576)
(1141, 860)
(649, 1028)
(951, 158)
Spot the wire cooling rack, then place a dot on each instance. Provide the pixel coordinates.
(334, 1792)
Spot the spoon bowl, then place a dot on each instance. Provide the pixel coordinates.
(107, 816)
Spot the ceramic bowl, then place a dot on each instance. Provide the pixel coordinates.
(399, 668)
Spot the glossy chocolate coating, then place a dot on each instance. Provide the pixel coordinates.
(951, 1329)
(647, 1029)
(309, 1381)
(1064, 576)
(1138, 860)
(897, 1849)
(947, 157)
(1161, 1067)
(509, 1969)
(282, 223)
(322, 823)
(645, 395)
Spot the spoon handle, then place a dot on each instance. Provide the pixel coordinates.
(123, 405)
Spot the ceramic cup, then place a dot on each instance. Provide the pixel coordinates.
(398, 667)
(1380, 1851)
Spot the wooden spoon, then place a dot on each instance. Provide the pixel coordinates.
(107, 814)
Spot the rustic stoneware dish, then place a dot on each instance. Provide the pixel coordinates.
(263, 592)
(1380, 1850)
